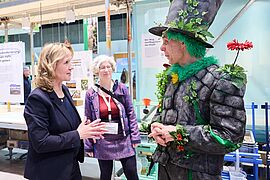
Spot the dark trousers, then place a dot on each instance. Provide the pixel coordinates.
(128, 164)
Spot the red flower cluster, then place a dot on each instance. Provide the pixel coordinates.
(235, 45)
(179, 137)
(180, 148)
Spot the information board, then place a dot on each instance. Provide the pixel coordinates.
(12, 58)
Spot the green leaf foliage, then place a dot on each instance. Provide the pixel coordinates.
(162, 81)
(145, 127)
(193, 25)
(236, 73)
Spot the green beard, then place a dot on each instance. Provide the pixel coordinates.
(191, 69)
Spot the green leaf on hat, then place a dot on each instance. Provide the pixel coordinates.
(190, 9)
(185, 14)
(196, 12)
(199, 20)
(189, 25)
(195, 3)
(180, 24)
(180, 12)
(207, 34)
(204, 13)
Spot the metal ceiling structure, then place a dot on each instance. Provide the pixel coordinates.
(13, 12)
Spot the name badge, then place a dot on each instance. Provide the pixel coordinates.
(112, 128)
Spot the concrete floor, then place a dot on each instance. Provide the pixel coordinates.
(14, 166)
(13, 169)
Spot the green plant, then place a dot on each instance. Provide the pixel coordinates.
(236, 72)
(145, 127)
(162, 80)
(192, 96)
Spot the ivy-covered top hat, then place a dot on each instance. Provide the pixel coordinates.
(191, 18)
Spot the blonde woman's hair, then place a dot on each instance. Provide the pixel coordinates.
(50, 55)
(101, 59)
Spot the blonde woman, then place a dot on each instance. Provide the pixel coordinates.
(120, 142)
(54, 126)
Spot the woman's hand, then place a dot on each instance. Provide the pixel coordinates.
(90, 154)
(93, 130)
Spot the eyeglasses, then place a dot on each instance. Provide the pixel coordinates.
(105, 67)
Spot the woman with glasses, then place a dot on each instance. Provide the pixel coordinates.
(122, 134)
(55, 129)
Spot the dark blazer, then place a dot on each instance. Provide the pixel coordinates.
(27, 87)
(54, 143)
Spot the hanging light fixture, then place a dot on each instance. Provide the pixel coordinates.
(26, 23)
(70, 15)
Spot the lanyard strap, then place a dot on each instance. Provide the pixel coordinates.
(108, 104)
(109, 93)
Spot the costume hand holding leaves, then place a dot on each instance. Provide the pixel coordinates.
(180, 137)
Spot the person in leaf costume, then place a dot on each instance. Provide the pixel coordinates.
(201, 115)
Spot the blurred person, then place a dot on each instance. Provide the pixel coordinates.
(55, 129)
(123, 136)
(26, 83)
(202, 115)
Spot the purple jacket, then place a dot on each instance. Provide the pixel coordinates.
(128, 121)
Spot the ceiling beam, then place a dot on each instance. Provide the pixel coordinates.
(52, 11)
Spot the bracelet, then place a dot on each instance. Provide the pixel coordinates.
(180, 137)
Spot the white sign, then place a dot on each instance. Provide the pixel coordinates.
(152, 56)
(82, 76)
(12, 57)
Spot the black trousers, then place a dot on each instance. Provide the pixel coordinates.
(128, 164)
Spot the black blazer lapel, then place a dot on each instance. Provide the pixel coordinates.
(66, 92)
(61, 108)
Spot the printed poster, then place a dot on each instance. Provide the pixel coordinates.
(12, 58)
(152, 56)
(81, 76)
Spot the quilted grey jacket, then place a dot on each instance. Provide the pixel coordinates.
(221, 105)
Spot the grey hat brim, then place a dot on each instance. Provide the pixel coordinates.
(158, 30)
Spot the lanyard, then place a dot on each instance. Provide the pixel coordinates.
(108, 104)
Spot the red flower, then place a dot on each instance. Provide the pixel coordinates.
(180, 148)
(232, 45)
(179, 137)
(235, 45)
(248, 45)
